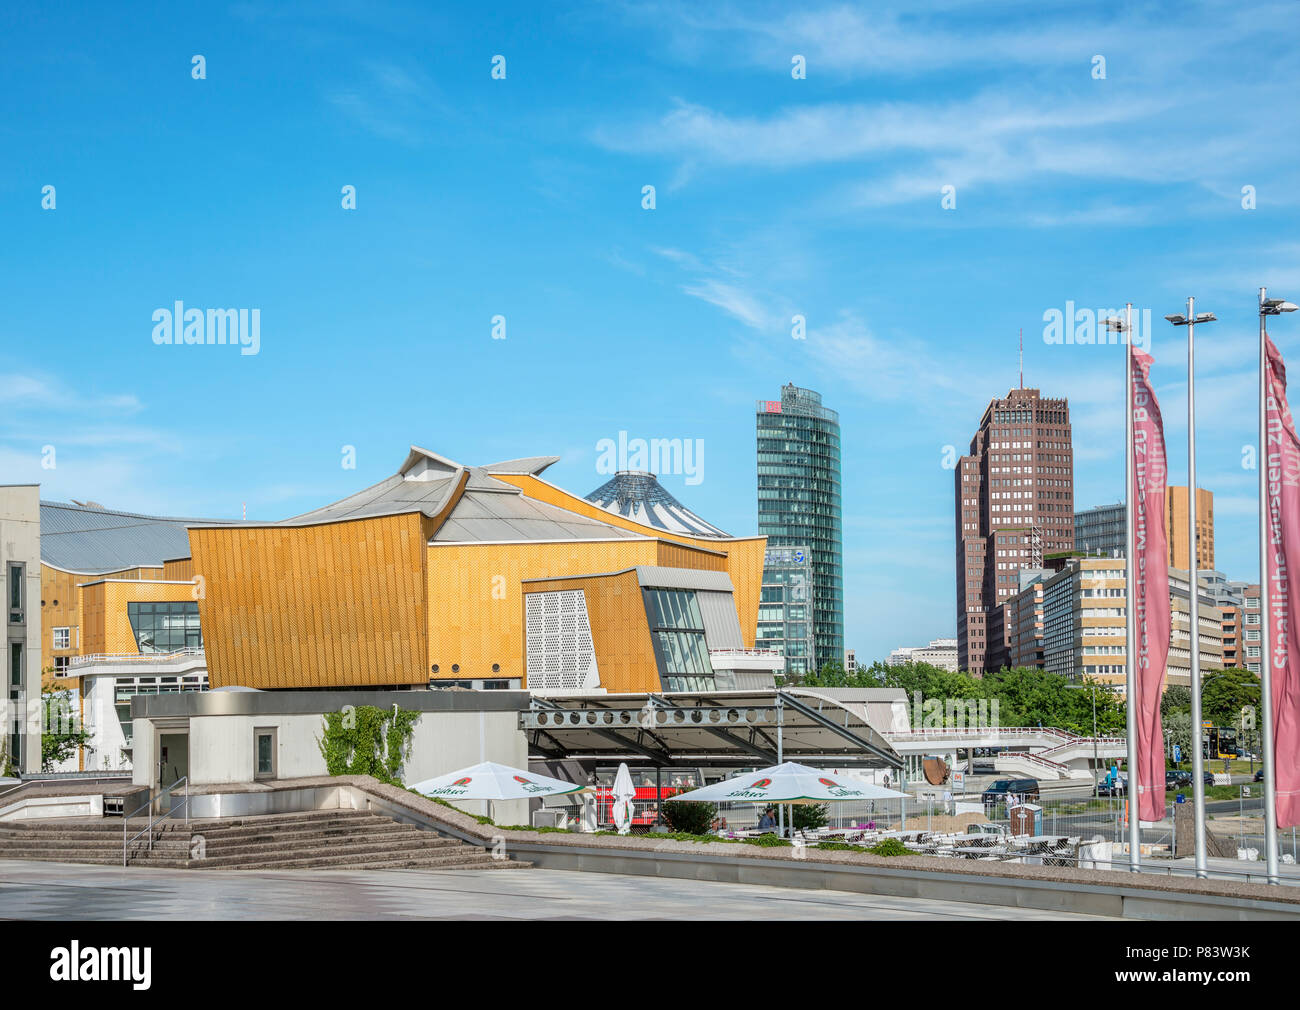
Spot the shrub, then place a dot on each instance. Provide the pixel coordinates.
(810, 816)
(688, 818)
(768, 841)
(889, 847)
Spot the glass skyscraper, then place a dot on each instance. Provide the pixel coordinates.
(799, 502)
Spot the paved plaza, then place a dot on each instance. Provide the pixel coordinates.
(40, 890)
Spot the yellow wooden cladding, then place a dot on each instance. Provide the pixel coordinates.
(102, 626)
(476, 616)
(61, 608)
(110, 622)
(743, 555)
(179, 570)
(332, 605)
(620, 630)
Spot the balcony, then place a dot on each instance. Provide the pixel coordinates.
(135, 664)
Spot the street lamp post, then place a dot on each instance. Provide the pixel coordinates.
(1267, 307)
(1094, 739)
(1125, 328)
(1193, 570)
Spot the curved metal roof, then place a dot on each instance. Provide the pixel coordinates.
(94, 541)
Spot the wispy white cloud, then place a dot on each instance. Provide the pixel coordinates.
(392, 102)
(33, 390)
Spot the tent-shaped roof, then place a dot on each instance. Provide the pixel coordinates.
(640, 497)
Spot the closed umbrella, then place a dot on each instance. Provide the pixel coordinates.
(624, 793)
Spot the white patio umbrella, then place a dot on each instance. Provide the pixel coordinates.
(624, 793)
(788, 783)
(491, 781)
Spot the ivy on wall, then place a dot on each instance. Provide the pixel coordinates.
(365, 740)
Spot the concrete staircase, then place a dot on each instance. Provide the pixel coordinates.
(323, 839)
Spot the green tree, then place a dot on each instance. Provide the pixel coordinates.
(1175, 699)
(1178, 725)
(62, 732)
(809, 816)
(689, 817)
(1224, 693)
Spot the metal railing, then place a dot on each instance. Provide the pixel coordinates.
(1033, 759)
(126, 820)
(135, 657)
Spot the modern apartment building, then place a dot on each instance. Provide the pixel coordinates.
(1024, 619)
(1014, 506)
(941, 652)
(1250, 629)
(1084, 620)
(1099, 531)
(799, 501)
(785, 612)
(1085, 615)
(1209, 625)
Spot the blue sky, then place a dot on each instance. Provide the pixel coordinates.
(522, 197)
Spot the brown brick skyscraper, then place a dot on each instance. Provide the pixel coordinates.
(1015, 506)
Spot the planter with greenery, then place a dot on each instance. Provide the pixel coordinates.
(365, 740)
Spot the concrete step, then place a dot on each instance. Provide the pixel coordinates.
(280, 822)
(475, 859)
(178, 860)
(341, 839)
(397, 843)
(71, 846)
(289, 834)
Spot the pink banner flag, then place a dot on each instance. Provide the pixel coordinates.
(1151, 587)
(1282, 458)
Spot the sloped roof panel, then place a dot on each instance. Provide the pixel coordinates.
(94, 541)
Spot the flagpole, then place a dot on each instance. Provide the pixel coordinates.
(1130, 667)
(1194, 598)
(1265, 665)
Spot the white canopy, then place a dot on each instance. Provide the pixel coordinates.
(491, 781)
(787, 783)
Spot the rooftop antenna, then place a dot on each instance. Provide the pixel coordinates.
(245, 510)
(1022, 357)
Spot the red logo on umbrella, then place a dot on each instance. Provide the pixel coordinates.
(761, 784)
(520, 778)
(828, 782)
(462, 782)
